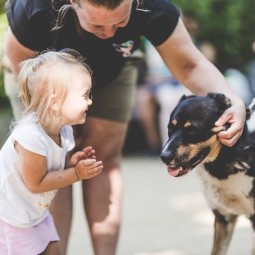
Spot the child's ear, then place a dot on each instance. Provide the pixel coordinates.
(54, 103)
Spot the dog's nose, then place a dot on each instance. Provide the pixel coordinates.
(165, 156)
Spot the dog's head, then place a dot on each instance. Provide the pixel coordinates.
(192, 133)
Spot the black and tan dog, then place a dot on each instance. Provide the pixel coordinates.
(227, 173)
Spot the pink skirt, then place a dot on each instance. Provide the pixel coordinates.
(27, 241)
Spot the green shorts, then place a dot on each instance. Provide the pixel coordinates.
(115, 101)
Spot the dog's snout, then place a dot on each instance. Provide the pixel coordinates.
(165, 156)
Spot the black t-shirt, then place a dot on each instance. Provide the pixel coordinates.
(31, 22)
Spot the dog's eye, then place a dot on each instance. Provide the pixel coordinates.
(192, 130)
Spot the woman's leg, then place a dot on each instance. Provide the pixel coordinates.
(103, 194)
(105, 131)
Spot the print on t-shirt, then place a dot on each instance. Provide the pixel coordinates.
(125, 48)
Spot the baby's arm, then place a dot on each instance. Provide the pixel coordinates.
(38, 179)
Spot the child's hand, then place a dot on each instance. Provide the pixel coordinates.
(89, 152)
(88, 168)
(75, 158)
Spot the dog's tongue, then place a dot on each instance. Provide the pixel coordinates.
(173, 171)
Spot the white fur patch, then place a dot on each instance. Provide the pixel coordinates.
(230, 195)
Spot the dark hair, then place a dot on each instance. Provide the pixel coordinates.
(108, 4)
(61, 7)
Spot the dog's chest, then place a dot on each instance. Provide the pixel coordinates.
(228, 196)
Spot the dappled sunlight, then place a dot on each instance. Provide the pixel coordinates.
(193, 201)
(204, 217)
(207, 218)
(243, 223)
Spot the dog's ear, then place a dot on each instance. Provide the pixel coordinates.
(184, 97)
(221, 99)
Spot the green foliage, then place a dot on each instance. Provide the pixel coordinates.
(3, 26)
(2, 3)
(228, 25)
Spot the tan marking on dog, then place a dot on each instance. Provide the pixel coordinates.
(174, 122)
(193, 149)
(187, 124)
(218, 129)
(215, 145)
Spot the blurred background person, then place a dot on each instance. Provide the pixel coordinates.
(237, 80)
(159, 92)
(156, 99)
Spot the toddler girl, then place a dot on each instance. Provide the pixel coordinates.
(55, 88)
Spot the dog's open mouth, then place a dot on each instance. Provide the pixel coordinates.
(177, 171)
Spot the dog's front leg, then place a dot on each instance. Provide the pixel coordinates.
(223, 230)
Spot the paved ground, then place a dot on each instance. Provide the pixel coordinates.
(162, 215)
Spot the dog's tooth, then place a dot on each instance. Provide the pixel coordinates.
(241, 165)
(246, 165)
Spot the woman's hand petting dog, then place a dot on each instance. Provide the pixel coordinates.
(231, 116)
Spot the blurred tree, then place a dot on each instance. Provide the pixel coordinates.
(3, 25)
(228, 25)
(2, 3)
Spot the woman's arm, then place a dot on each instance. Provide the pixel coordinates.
(192, 69)
(15, 51)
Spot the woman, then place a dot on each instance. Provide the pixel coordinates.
(106, 32)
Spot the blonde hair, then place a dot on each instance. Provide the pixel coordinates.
(39, 80)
